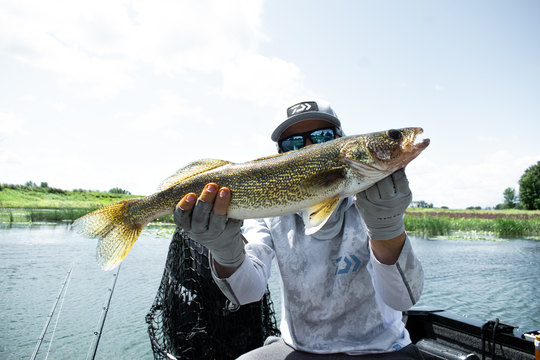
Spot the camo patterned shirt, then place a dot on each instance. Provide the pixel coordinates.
(336, 297)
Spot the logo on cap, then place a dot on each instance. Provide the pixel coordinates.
(302, 107)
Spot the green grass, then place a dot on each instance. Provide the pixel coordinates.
(35, 204)
(37, 198)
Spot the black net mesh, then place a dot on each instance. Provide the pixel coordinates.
(191, 318)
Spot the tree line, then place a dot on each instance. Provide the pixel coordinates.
(528, 197)
(44, 187)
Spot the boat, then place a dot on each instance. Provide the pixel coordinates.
(441, 334)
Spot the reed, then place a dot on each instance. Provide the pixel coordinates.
(440, 223)
(55, 215)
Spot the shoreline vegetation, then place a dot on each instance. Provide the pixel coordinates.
(501, 223)
(33, 204)
(23, 204)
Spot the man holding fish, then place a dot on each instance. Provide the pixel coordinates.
(347, 268)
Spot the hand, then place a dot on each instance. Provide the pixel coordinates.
(205, 221)
(383, 206)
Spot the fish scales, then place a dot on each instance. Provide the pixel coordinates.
(310, 180)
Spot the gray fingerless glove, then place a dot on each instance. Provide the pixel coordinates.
(222, 236)
(383, 206)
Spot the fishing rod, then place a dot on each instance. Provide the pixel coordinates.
(93, 348)
(49, 318)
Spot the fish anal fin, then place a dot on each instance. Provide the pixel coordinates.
(323, 180)
(317, 215)
(191, 169)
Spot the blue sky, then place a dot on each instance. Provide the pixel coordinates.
(105, 94)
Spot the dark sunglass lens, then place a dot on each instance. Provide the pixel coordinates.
(321, 136)
(292, 143)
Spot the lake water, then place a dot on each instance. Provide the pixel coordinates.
(479, 279)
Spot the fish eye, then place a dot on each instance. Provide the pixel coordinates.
(394, 134)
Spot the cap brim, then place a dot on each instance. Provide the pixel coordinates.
(303, 117)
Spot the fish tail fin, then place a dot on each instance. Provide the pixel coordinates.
(116, 227)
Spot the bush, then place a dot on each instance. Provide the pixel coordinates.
(529, 188)
(117, 190)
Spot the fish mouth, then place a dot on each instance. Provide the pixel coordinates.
(409, 145)
(411, 149)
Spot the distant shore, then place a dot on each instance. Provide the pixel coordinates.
(502, 223)
(39, 205)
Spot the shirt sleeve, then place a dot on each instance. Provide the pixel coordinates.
(399, 285)
(248, 283)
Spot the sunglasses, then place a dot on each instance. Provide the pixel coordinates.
(298, 141)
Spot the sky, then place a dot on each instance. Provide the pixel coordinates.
(123, 93)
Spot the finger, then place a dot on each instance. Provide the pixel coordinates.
(209, 193)
(216, 224)
(182, 218)
(201, 213)
(386, 188)
(401, 182)
(188, 201)
(222, 201)
(372, 193)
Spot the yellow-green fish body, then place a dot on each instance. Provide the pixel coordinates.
(311, 180)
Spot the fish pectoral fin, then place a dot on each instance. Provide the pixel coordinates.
(316, 216)
(323, 180)
(191, 169)
(366, 170)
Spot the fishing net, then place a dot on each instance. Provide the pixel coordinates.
(191, 318)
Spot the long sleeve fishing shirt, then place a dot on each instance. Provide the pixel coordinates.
(336, 296)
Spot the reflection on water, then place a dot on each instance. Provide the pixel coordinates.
(480, 279)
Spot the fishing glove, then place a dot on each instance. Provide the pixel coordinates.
(383, 206)
(222, 236)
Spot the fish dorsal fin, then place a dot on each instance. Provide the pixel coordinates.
(191, 169)
(282, 154)
(317, 215)
(321, 181)
(267, 157)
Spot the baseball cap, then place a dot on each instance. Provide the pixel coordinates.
(301, 110)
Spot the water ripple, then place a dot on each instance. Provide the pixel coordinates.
(480, 279)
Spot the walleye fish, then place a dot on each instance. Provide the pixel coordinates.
(312, 180)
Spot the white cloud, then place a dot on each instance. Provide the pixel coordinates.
(57, 106)
(169, 114)
(438, 87)
(255, 140)
(11, 124)
(96, 47)
(50, 151)
(265, 81)
(28, 97)
(48, 35)
(459, 185)
(199, 36)
(11, 158)
(486, 139)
